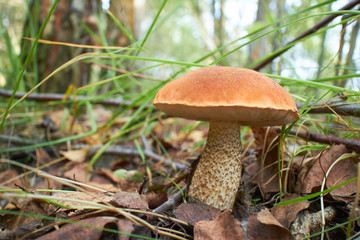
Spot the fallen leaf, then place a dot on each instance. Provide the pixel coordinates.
(83, 196)
(57, 117)
(264, 171)
(344, 170)
(83, 232)
(311, 180)
(119, 199)
(130, 200)
(75, 155)
(17, 226)
(264, 226)
(78, 173)
(125, 226)
(125, 184)
(224, 226)
(156, 199)
(42, 157)
(195, 212)
(286, 214)
(8, 175)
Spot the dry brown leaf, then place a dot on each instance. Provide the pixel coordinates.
(42, 156)
(286, 214)
(17, 226)
(130, 200)
(156, 199)
(343, 171)
(313, 178)
(119, 199)
(265, 174)
(76, 231)
(125, 184)
(78, 173)
(75, 155)
(224, 226)
(10, 174)
(125, 226)
(195, 212)
(263, 226)
(56, 117)
(90, 197)
(101, 114)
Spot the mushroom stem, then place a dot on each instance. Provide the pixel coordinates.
(217, 176)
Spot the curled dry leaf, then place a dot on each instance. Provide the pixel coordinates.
(195, 212)
(311, 179)
(57, 117)
(75, 155)
(119, 199)
(78, 173)
(286, 214)
(13, 227)
(83, 232)
(344, 170)
(156, 199)
(125, 226)
(223, 227)
(130, 200)
(263, 226)
(264, 171)
(6, 175)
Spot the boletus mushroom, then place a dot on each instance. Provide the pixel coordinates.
(227, 97)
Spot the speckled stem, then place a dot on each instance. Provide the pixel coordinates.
(217, 177)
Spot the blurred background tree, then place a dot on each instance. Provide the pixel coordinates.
(186, 31)
(73, 22)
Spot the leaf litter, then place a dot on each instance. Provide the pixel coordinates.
(110, 201)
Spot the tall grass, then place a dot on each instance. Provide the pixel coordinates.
(144, 56)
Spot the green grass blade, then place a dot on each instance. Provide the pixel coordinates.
(21, 74)
(152, 26)
(123, 29)
(315, 84)
(313, 195)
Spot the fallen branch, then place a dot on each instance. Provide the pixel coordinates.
(46, 97)
(341, 109)
(314, 29)
(170, 203)
(327, 139)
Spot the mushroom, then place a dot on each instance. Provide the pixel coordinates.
(227, 97)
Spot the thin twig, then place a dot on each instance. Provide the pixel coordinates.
(46, 97)
(327, 139)
(166, 206)
(339, 108)
(170, 203)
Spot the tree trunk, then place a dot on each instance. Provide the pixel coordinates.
(72, 22)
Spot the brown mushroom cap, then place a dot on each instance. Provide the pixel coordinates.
(230, 94)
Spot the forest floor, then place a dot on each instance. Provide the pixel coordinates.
(133, 191)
